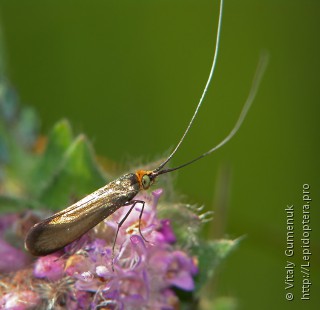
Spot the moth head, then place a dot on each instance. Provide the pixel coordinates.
(146, 178)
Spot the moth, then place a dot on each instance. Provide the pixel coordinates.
(64, 227)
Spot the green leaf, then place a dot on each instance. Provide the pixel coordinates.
(10, 204)
(209, 256)
(59, 139)
(18, 131)
(77, 175)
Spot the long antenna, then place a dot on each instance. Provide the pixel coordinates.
(253, 91)
(204, 91)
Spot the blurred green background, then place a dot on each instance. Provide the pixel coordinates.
(129, 74)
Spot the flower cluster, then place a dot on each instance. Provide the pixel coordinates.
(141, 273)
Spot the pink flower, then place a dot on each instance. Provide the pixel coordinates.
(84, 275)
(50, 267)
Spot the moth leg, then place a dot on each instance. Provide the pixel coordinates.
(140, 216)
(133, 203)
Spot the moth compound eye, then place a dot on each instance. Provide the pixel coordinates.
(146, 182)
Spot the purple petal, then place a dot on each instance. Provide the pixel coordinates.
(102, 271)
(183, 280)
(50, 267)
(166, 231)
(156, 196)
